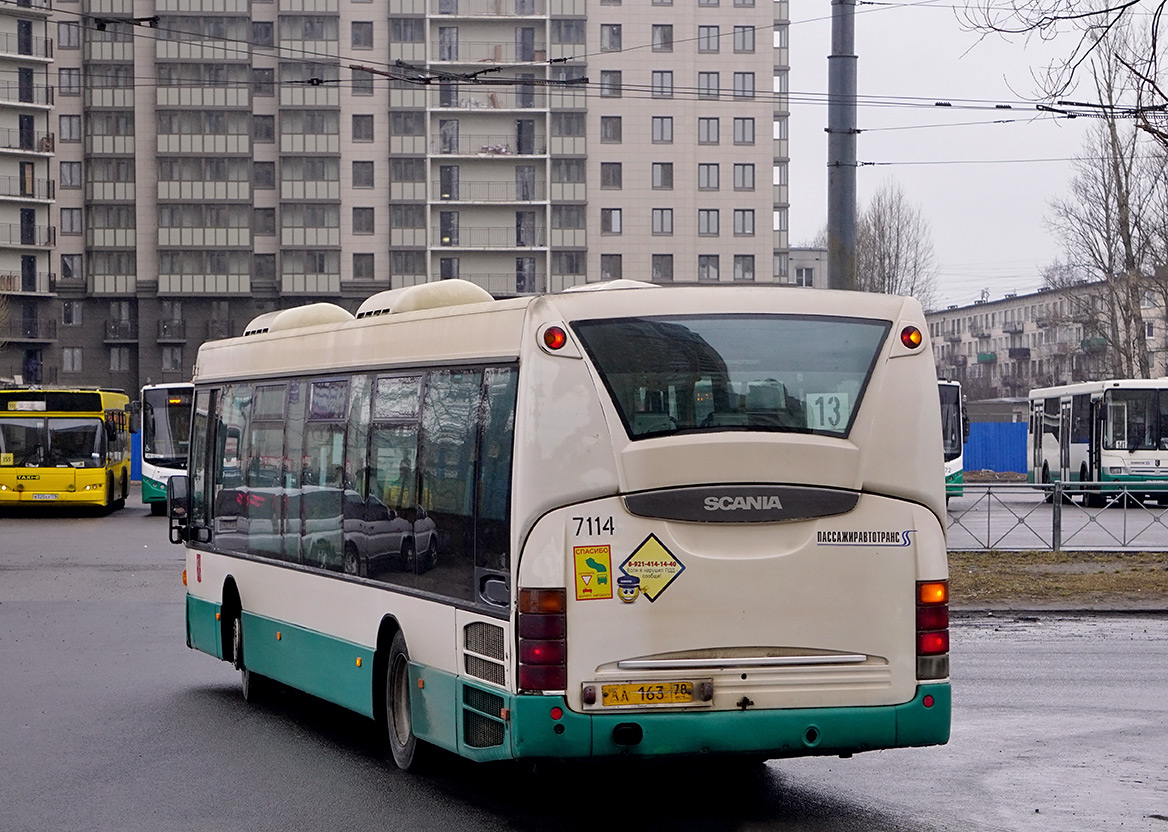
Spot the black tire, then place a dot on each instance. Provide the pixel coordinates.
(120, 502)
(251, 684)
(404, 747)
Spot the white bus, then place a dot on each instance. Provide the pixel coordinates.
(628, 520)
(1113, 433)
(166, 428)
(954, 432)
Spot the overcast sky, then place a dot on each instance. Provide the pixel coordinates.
(984, 187)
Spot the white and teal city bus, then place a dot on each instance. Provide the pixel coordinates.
(166, 428)
(626, 520)
(1112, 433)
(954, 432)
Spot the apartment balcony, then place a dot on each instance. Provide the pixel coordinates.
(13, 139)
(482, 237)
(509, 283)
(487, 8)
(488, 145)
(314, 237)
(1093, 345)
(201, 191)
(20, 235)
(25, 95)
(470, 97)
(954, 337)
(491, 192)
(1019, 353)
(204, 237)
(111, 51)
(310, 190)
(110, 98)
(202, 50)
(12, 45)
(487, 52)
(1046, 320)
(110, 191)
(203, 97)
(219, 329)
(172, 332)
(19, 188)
(29, 331)
(19, 283)
(201, 144)
(121, 332)
(43, 8)
(202, 6)
(110, 145)
(977, 331)
(304, 143)
(310, 6)
(313, 50)
(328, 95)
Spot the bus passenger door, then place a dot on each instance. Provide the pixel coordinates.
(1064, 439)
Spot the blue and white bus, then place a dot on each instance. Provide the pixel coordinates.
(166, 428)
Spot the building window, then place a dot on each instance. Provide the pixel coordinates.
(610, 220)
(743, 131)
(610, 129)
(69, 81)
(743, 38)
(263, 221)
(362, 174)
(263, 82)
(610, 37)
(663, 176)
(363, 128)
(708, 38)
(1149, 329)
(662, 220)
(610, 84)
(263, 128)
(708, 267)
(70, 128)
(172, 358)
(362, 82)
(362, 266)
(708, 177)
(744, 267)
(69, 34)
(362, 34)
(71, 312)
(707, 85)
(707, 131)
(708, 222)
(71, 267)
(662, 37)
(743, 3)
(662, 268)
(744, 222)
(119, 359)
(70, 174)
(804, 276)
(610, 175)
(707, 2)
(744, 85)
(264, 174)
(663, 129)
(71, 360)
(610, 267)
(662, 84)
(71, 221)
(262, 34)
(743, 177)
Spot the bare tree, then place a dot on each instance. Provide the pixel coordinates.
(1109, 225)
(1131, 30)
(894, 248)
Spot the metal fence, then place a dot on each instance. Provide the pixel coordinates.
(1058, 516)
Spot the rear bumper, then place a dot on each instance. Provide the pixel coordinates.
(769, 733)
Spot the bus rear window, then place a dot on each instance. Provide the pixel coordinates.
(686, 374)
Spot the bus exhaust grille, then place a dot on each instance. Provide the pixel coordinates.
(485, 639)
(479, 731)
(485, 670)
(481, 700)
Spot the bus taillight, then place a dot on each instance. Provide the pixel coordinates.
(543, 651)
(932, 609)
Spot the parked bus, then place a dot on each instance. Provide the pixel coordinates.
(625, 520)
(954, 432)
(1112, 433)
(166, 428)
(65, 445)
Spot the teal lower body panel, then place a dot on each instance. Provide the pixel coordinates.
(203, 628)
(954, 484)
(153, 491)
(767, 733)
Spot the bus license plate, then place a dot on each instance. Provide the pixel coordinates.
(44, 496)
(646, 693)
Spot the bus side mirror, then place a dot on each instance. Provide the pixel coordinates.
(177, 506)
(135, 409)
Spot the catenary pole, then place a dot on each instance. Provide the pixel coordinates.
(841, 147)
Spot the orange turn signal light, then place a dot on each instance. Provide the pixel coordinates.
(554, 338)
(911, 337)
(933, 592)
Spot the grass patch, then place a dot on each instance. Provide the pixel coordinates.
(1131, 579)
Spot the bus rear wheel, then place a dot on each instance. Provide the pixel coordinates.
(406, 749)
(251, 683)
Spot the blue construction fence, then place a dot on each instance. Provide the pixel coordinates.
(996, 446)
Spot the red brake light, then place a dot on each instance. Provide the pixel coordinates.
(911, 337)
(930, 644)
(543, 651)
(933, 618)
(554, 338)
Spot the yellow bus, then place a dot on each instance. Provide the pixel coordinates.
(65, 445)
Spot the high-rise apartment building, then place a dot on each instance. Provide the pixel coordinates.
(216, 159)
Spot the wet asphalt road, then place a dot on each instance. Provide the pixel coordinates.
(108, 722)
